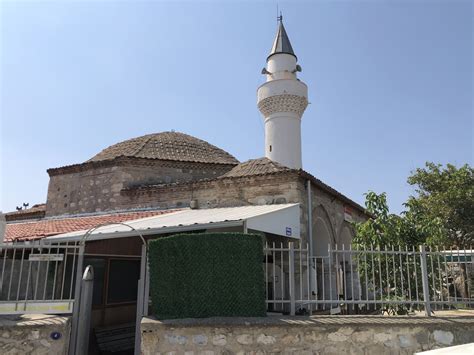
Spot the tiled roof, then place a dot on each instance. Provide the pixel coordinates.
(256, 167)
(37, 211)
(47, 227)
(167, 146)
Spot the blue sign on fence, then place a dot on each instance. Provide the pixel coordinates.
(288, 231)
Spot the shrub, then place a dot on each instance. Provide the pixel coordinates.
(207, 275)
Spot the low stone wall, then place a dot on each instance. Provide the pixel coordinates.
(304, 335)
(34, 334)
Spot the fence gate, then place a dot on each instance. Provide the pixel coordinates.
(38, 278)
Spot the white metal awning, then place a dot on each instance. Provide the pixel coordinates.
(283, 220)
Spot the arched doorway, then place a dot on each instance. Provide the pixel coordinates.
(322, 232)
(324, 276)
(349, 284)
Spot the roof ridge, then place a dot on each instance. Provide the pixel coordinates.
(257, 166)
(145, 142)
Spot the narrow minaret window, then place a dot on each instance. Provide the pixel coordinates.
(282, 100)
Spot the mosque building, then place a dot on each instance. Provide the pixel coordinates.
(172, 170)
(180, 183)
(166, 183)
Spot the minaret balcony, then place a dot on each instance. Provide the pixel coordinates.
(282, 87)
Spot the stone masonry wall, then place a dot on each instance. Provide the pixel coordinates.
(323, 335)
(97, 188)
(330, 209)
(248, 190)
(253, 190)
(110, 186)
(34, 334)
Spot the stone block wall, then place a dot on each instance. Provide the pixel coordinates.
(336, 214)
(112, 186)
(34, 334)
(252, 190)
(325, 335)
(96, 187)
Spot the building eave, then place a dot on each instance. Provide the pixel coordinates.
(325, 187)
(122, 161)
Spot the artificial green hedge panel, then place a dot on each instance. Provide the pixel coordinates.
(207, 275)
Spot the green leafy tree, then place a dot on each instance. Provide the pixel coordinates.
(383, 228)
(440, 214)
(445, 195)
(390, 277)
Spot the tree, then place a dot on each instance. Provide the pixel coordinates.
(445, 194)
(440, 214)
(379, 271)
(410, 229)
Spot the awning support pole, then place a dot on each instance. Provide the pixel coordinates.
(141, 298)
(77, 299)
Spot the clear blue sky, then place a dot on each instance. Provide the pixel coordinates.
(390, 84)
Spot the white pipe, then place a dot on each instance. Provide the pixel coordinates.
(310, 218)
(311, 265)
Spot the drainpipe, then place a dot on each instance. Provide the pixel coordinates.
(311, 264)
(310, 218)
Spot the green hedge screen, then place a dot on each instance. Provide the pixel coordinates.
(207, 275)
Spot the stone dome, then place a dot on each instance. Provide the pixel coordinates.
(167, 146)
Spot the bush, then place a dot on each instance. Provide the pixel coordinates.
(207, 275)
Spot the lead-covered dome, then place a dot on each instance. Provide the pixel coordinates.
(167, 146)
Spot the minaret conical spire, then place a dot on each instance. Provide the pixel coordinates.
(281, 44)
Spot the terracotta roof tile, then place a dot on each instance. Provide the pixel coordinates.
(22, 231)
(167, 146)
(256, 167)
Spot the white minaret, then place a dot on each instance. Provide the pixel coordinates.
(282, 101)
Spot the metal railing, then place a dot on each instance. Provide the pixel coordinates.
(370, 280)
(37, 277)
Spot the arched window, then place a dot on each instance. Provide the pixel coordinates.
(345, 236)
(322, 232)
